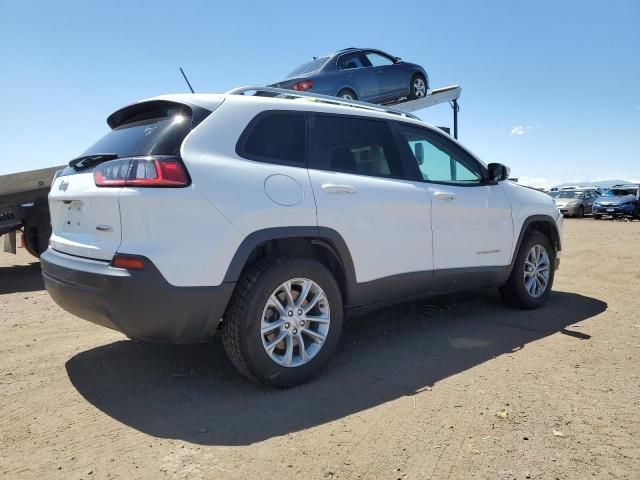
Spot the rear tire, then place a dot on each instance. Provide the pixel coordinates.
(253, 322)
(417, 87)
(521, 289)
(597, 217)
(347, 94)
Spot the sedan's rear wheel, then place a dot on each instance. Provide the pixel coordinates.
(284, 321)
(418, 88)
(347, 94)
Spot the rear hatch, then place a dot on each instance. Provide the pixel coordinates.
(141, 150)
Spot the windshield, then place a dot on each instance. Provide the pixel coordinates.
(309, 67)
(622, 192)
(566, 194)
(155, 136)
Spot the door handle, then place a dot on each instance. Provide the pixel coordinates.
(338, 189)
(380, 72)
(445, 196)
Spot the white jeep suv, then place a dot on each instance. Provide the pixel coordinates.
(272, 218)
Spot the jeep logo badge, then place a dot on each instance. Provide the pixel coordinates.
(63, 186)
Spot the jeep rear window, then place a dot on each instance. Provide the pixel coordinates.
(156, 130)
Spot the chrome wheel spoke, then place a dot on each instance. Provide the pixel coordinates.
(288, 354)
(301, 348)
(304, 293)
(315, 335)
(274, 302)
(309, 306)
(311, 318)
(287, 292)
(281, 336)
(270, 327)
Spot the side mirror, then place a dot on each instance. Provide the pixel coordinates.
(397, 59)
(498, 172)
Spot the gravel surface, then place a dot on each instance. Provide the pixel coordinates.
(452, 387)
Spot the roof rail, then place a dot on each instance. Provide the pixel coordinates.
(285, 93)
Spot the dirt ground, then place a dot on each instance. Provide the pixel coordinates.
(456, 387)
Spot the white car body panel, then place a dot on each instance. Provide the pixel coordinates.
(77, 207)
(472, 226)
(384, 222)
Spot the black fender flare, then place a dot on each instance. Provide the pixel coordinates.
(526, 224)
(323, 236)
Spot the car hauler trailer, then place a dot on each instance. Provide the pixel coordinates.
(449, 94)
(24, 206)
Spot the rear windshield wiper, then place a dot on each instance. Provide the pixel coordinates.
(87, 161)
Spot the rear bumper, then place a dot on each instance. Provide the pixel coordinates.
(140, 304)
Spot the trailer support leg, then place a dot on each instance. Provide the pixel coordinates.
(455, 107)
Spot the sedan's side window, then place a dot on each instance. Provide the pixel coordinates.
(437, 161)
(347, 62)
(377, 60)
(353, 145)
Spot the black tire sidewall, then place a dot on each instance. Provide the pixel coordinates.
(526, 300)
(257, 359)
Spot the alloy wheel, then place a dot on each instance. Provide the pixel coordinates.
(537, 269)
(419, 87)
(295, 322)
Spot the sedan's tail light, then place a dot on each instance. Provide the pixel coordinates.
(142, 172)
(303, 86)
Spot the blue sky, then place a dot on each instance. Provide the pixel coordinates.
(550, 88)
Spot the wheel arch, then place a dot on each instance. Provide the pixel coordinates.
(324, 244)
(544, 224)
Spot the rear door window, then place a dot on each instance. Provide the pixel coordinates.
(350, 61)
(275, 137)
(353, 145)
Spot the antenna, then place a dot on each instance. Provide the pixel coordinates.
(186, 80)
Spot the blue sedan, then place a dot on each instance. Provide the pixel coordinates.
(359, 74)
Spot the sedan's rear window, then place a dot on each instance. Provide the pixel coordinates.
(308, 68)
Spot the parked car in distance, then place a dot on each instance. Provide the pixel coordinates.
(364, 74)
(618, 201)
(268, 220)
(574, 202)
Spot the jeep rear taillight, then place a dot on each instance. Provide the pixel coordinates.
(142, 172)
(303, 86)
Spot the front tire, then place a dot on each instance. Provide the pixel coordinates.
(284, 321)
(581, 212)
(531, 279)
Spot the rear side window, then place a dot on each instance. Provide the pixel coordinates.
(275, 137)
(353, 145)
